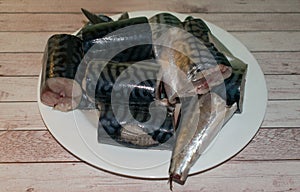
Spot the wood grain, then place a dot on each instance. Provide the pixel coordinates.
(70, 22)
(20, 116)
(282, 112)
(246, 176)
(25, 88)
(24, 41)
(24, 64)
(270, 41)
(20, 64)
(25, 116)
(40, 146)
(273, 144)
(131, 5)
(18, 89)
(253, 22)
(255, 41)
(36, 22)
(283, 86)
(31, 146)
(279, 63)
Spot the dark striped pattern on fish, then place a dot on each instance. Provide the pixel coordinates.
(132, 132)
(62, 57)
(160, 23)
(137, 82)
(102, 29)
(121, 41)
(203, 54)
(166, 18)
(200, 30)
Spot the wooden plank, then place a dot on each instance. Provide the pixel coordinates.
(24, 41)
(25, 88)
(273, 144)
(31, 146)
(283, 86)
(279, 62)
(20, 116)
(172, 5)
(25, 116)
(255, 41)
(246, 176)
(41, 22)
(285, 113)
(253, 22)
(286, 63)
(40, 146)
(231, 22)
(17, 64)
(270, 41)
(18, 89)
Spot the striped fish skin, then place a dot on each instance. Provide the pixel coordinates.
(132, 37)
(186, 46)
(133, 133)
(188, 54)
(101, 79)
(234, 82)
(202, 117)
(200, 30)
(165, 21)
(234, 85)
(62, 56)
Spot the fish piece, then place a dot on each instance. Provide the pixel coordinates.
(188, 67)
(167, 19)
(160, 23)
(199, 29)
(120, 41)
(134, 126)
(59, 88)
(202, 117)
(100, 30)
(95, 19)
(235, 84)
(128, 83)
(190, 63)
(124, 15)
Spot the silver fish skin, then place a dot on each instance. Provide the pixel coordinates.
(235, 85)
(181, 54)
(202, 117)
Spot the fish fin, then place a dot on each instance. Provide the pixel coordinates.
(170, 181)
(93, 18)
(124, 15)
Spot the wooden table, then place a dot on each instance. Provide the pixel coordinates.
(31, 159)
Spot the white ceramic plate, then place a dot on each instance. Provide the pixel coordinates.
(74, 131)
